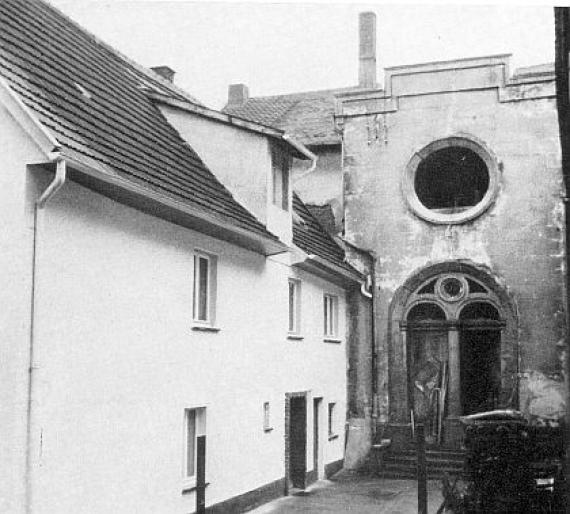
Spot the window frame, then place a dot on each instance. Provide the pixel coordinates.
(330, 316)
(294, 307)
(211, 289)
(281, 162)
(198, 429)
(432, 216)
(267, 427)
(332, 421)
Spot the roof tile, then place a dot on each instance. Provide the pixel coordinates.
(94, 102)
(308, 117)
(312, 238)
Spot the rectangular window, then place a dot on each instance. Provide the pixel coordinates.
(280, 164)
(330, 315)
(194, 426)
(332, 433)
(266, 418)
(294, 306)
(204, 288)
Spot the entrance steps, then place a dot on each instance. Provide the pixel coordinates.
(401, 464)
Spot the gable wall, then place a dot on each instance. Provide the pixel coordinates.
(519, 240)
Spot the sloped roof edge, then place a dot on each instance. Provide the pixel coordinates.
(236, 121)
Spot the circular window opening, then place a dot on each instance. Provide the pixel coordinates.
(451, 289)
(451, 180)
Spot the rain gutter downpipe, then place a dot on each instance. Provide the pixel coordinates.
(306, 152)
(55, 185)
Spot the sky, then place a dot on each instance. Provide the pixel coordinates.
(278, 48)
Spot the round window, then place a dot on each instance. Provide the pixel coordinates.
(451, 181)
(451, 289)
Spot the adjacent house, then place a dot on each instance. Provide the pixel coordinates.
(450, 175)
(175, 320)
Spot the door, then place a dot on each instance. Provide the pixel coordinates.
(298, 441)
(317, 402)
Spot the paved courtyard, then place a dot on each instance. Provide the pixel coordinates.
(357, 494)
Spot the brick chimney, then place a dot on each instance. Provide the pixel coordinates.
(238, 94)
(165, 72)
(367, 50)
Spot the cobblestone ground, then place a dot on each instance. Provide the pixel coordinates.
(356, 494)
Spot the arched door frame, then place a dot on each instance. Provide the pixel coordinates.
(404, 300)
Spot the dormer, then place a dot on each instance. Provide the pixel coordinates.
(252, 160)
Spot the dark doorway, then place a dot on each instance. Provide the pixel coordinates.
(480, 345)
(316, 428)
(297, 441)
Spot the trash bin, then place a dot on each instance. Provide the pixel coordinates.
(512, 466)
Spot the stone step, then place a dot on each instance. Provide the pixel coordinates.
(403, 463)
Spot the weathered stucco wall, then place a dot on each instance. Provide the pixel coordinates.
(324, 184)
(519, 240)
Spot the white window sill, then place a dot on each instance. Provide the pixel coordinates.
(189, 486)
(295, 337)
(332, 339)
(200, 327)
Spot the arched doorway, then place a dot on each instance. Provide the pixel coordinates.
(452, 329)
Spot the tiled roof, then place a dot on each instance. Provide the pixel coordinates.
(324, 215)
(312, 238)
(94, 102)
(308, 117)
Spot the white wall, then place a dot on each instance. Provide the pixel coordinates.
(117, 362)
(240, 159)
(15, 294)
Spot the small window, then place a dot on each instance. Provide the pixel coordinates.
(332, 421)
(330, 315)
(281, 165)
(204, 288)
(194, 427)
(294, 306)
(266, 418)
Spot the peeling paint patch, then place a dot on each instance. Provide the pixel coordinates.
(542, 395)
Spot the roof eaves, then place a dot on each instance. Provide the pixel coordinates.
(267, 244)
(27, 120)
(323, 267)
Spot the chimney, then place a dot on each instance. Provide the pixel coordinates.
(165, 72)
(367, 50)
(238, 94)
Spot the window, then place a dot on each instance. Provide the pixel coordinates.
(451, 181)
(332, 421)
(194, 426)
(266, 418)
(280, 164)
(204, 288)
(294, 306)
(330, 316)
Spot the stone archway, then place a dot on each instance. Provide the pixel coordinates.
(454, 288)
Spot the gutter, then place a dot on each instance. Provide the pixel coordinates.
(272, 246)
(55, 185)
(347, 275)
